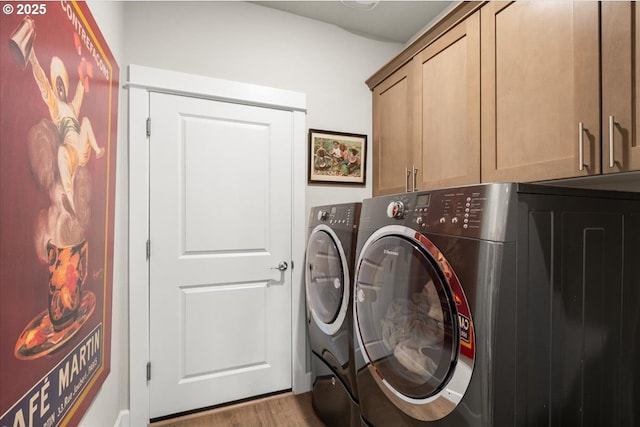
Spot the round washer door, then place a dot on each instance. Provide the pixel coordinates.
(327, 279)
(413, 323)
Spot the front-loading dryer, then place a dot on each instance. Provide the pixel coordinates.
(498, 305)
(330, 258)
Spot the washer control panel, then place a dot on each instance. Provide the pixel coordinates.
(457, 208)
(471, 210)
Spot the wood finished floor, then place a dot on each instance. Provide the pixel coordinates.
(283, 410)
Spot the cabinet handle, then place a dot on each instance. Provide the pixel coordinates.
(581, 164)
(611, 126)
(406, 180)
(415, 177)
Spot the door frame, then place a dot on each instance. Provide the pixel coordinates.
(141, 81)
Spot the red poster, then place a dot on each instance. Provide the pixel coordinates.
(58, 117)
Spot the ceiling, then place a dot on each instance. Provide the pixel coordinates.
(387, 20)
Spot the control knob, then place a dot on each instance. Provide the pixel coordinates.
(395, 210)
(322, 215)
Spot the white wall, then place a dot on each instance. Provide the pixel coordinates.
(254, 44)
(234, 41)
(113, 396)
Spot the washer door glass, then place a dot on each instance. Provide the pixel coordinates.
(325, 277)
(406, 316)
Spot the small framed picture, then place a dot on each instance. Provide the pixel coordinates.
(337, 157)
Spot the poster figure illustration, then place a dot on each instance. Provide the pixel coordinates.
(59, 89)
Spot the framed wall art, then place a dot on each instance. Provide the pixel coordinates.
(59, 105)
(337, 157)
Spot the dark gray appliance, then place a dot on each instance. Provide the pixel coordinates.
(499, 305)
(330, 258)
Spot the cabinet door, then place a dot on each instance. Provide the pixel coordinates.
(540, 86)
(620, 88)
(392, 134)
(447, 109)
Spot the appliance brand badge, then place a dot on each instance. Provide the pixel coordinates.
(388, 252)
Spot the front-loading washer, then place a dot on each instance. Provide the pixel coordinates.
(498, 305)
(330, 257)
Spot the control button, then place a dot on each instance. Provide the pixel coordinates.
(443, 220)
(465, 226)
(323, 215)
(454, 220)
(395, 210)
(419, 220)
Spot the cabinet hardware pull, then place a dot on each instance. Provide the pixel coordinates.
(611, 126)
(415, 177)
(406, 180)
(581, 164)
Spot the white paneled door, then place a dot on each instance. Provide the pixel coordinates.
(220, 252)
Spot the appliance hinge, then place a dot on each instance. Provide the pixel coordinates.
(148, 249)
(148, 126)
(148, 371)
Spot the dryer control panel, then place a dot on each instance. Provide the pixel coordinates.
(344, 216)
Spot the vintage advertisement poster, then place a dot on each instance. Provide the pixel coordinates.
(58, 114)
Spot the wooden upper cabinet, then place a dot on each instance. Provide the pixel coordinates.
(620, 86)
(540, 86)
(446, 109)
(392, 124)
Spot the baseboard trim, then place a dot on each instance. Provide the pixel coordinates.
(123, 419)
